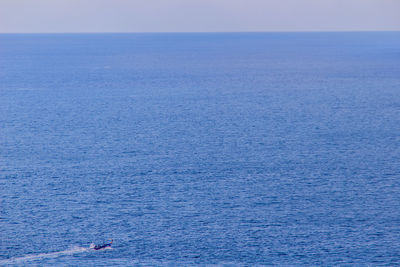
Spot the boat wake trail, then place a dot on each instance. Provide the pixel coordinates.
(30, 257)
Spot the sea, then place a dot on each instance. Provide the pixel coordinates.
(200, 149)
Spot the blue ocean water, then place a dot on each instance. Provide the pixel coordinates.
(191, 149)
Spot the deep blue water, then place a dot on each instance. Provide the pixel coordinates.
(193, 149)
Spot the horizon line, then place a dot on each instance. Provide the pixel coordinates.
(200, 32)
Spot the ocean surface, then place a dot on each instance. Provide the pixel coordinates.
(233, 149)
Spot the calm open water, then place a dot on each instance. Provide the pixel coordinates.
(194, 149)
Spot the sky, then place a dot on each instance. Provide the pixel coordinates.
(44, 16)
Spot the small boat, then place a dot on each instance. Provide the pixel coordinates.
(102, 246)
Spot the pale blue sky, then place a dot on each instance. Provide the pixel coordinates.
(198, 15)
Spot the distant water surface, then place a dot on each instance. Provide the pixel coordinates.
(193, 149)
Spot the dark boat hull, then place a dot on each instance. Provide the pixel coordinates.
(98, 247)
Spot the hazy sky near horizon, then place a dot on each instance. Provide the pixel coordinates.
(198, 15)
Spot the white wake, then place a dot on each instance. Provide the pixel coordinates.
(30, 257)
